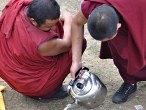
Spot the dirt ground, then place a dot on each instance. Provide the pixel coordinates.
(104, 69)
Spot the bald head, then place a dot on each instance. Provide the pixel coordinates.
(102, 22)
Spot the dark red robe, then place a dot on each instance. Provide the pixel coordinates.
(128, 48)
(21, 66)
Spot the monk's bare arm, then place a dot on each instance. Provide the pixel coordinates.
(57, 46)
(77, 33)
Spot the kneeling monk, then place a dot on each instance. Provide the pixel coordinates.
(35, 47)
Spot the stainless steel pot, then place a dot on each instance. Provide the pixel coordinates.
(87, 90)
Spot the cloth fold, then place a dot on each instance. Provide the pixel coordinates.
(9, 14)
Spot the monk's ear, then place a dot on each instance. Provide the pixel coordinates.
(118, 25)
(33, 22)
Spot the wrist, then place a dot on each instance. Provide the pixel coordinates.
(79, 63)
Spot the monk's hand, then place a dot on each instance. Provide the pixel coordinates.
(74, 68)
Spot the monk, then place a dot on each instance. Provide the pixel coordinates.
(121, 27)
(35, 48)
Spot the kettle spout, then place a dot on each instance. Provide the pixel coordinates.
(72, 105)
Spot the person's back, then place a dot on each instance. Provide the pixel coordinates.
(35, 52)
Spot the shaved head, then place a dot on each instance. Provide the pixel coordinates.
(102, 22)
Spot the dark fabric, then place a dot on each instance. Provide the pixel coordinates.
(128, 48)
(21, 66)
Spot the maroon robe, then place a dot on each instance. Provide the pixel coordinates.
(21, 65)
(128, 48)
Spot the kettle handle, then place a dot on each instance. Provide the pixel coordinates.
(82, 68)
(77, 74)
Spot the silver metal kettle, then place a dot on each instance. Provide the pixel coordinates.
(86, 89)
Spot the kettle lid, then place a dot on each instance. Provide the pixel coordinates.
(82, 85)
